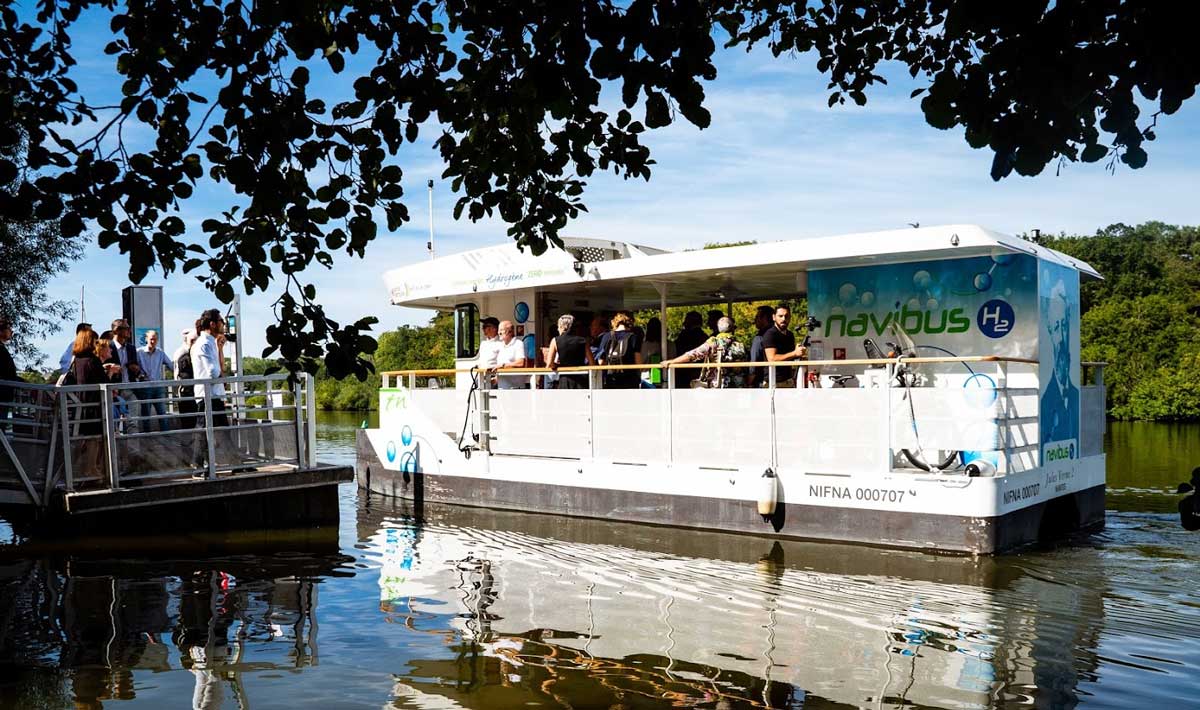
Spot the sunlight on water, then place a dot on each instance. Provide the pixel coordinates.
(470, 608)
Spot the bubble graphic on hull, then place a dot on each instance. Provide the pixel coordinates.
(406, 435)
(867, 298)
(847, 294)
(391, 451)
(922, 279)
(983, 281)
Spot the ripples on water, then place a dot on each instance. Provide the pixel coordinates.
(483, 609)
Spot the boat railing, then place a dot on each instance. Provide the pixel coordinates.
(993, 408)
(83, 438)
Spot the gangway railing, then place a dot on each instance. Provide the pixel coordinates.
(76, 438)
(1009, 406)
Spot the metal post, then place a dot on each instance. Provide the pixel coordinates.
(886, 451)
(208, 434)
(670, 409)
(412, 380)
(1006, 405)
(63, 412)
(485, 415)
(110, 435)
(237, 358)
(311, 419)
(298, 406)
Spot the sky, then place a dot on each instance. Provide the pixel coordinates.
(777, 163)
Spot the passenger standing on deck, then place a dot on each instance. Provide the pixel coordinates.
(714, 317)
(153, 362)
(596, 330)
(569, 350)
(621, 346)
(512, 356)
(208, 361)
(489, 349)
(762, 321)
(779, 344)
(692, 337)
(719, 348)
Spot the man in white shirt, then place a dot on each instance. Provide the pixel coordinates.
(208, 360)
(489, 349)
(153, 361)
(512, 356)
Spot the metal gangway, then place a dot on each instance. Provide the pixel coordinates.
(79, 442)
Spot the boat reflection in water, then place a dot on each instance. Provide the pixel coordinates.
(78, 630)
(524, 609)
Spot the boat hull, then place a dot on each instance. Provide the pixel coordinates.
(814, 512)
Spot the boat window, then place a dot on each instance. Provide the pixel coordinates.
(466, 331)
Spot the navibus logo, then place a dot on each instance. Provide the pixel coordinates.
(911, 320)
(1060, 452)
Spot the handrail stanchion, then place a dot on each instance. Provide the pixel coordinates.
(885, 463)
(208, 434)
(670, 411)
(68, 471)
(412, 380)
(110, 436)
(1006, 413)
(593, 377)
(485, 413)
(298, 406)
(310, 423)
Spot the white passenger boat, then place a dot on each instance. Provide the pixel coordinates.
(947, 409)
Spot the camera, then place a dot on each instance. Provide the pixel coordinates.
(809, 324)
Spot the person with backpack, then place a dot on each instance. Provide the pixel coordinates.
(722, 347)
(621, 346)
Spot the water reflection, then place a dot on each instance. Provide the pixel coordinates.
(520, 609)
(80, 631)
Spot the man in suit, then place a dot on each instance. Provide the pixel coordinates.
(124, 353)
(1060, 401)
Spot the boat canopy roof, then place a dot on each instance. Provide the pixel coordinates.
(637, 273)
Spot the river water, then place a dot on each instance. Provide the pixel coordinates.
(481, 609)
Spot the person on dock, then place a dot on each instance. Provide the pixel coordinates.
(208, 360)
(779, 344)
(91, 367)
(124, 353)
(8, 372)
(64, 362)
(720, 348)
(153, 362)
(186, 401)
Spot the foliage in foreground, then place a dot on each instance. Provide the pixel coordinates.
(231, 95)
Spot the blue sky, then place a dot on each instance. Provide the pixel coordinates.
(776, 163)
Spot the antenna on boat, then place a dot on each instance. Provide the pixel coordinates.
(429, 244)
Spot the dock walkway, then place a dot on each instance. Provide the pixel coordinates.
(64, 455)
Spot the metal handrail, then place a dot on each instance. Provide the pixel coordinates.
(59, 419)
(686, 365)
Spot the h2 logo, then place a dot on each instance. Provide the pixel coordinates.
(995, 318)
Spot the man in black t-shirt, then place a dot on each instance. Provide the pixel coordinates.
(779, 344)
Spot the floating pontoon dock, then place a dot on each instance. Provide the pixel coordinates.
(67, 463)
